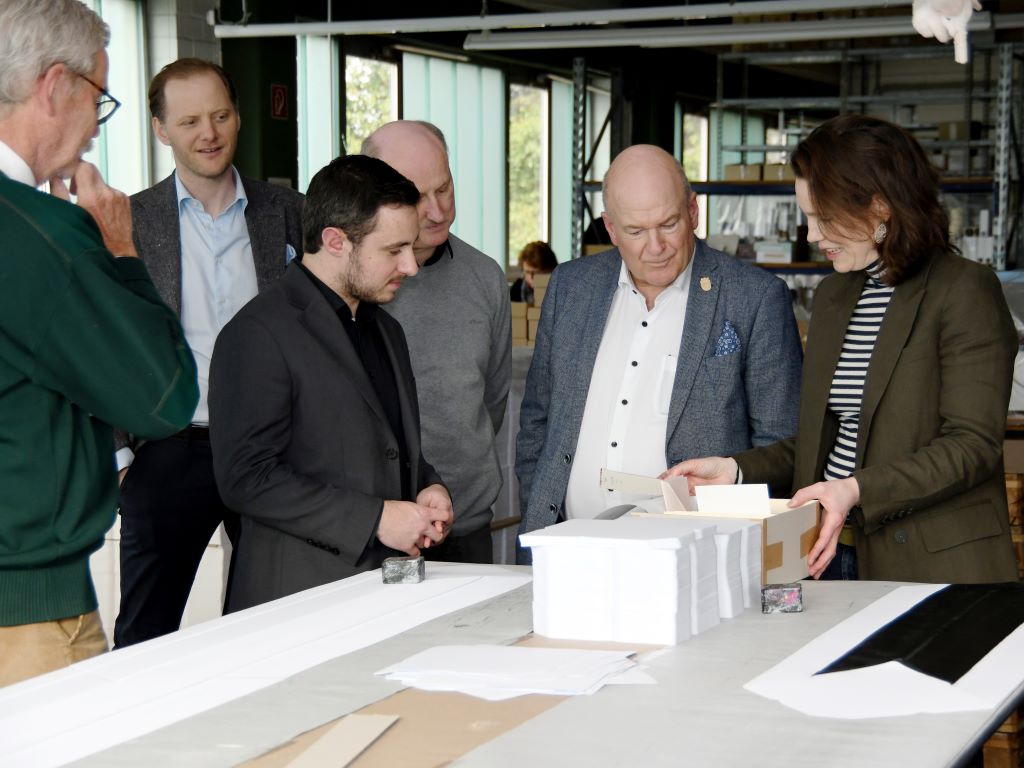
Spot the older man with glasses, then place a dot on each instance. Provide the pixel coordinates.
(86, 344)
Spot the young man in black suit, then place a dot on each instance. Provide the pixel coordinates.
(313, 412)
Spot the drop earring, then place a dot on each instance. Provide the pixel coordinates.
(880, 232)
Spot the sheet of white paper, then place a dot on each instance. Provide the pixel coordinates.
(498, 671)
(891, 689)
(102, 702)
(733, 500)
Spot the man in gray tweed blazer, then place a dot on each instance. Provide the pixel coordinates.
(652, 352)
(211, 240)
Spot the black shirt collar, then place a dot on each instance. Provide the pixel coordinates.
(364, 312)
(439, 252)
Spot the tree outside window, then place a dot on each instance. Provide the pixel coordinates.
(371, 98)
(527, 168)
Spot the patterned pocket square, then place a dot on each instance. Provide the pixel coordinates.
(728, 342)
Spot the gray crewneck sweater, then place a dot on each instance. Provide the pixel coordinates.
(457, 319)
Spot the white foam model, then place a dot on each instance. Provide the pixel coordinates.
(641, 579)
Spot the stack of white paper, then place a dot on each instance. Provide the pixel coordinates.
(635, 579)
(739, 545)
(704, 578)
(498, 672)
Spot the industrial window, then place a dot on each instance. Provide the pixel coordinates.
(467, 102)
(527, 167)
(121, 151)
(371, 98)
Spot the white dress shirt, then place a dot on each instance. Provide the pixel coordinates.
(13, 166)
(626, 415)
(218, 276)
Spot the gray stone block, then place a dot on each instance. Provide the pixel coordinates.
(403, 570)
(782, 598)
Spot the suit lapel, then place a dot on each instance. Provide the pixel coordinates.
(160, 236)
(892, 337)
(697, 333)
(593, 316)
(408, 408)
(265, 222)
(325, 327)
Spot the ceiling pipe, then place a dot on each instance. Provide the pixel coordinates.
(552, 19)
(721, 34)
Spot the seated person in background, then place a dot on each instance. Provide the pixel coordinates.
(536, 258)
(906, 377)
(314, 422)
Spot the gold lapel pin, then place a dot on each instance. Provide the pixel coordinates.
(705, 284)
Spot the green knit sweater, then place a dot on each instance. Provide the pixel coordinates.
(85, 343)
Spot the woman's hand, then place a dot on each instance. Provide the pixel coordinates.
(837, 498)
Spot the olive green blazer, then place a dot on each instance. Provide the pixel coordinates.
(930, 451)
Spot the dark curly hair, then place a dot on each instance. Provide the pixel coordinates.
(850, 161)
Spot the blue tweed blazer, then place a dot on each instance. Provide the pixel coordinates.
(737, 381)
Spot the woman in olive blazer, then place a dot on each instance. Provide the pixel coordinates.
(925, 500)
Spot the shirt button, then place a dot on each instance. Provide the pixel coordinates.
(625, 402)
(614, 444)
(900, 537)
(567, 458)
(391, 454)
(644, 323)
(634, 363)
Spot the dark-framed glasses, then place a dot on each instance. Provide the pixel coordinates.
(106, 105)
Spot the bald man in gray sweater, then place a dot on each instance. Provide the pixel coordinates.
(456, 316)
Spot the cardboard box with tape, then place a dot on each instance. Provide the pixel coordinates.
(787, 535)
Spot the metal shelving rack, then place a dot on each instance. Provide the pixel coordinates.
(793, 119)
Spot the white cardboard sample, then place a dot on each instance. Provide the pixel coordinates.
(626, 580)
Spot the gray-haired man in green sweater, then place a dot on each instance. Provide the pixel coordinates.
(85, 341)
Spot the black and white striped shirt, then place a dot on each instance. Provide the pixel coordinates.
(847, 392)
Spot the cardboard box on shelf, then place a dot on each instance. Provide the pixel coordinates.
(520, 328)
(741, 172)
(777, 172)
(773, 252)
(533, 313)
(540, 282)
(532, 330)
(959, 130)
(519, 308)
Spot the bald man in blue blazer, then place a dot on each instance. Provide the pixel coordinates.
(655, 351)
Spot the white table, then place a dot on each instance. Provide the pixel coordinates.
(698, 714)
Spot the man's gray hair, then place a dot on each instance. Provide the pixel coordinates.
(371, 146)
(36, 34)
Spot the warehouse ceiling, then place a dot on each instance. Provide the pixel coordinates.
(685, 71)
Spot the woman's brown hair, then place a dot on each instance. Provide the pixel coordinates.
(850, 161)
(538, 255)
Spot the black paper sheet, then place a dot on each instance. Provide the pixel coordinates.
(945, 634)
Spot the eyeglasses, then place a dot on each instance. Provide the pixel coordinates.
(106, 105)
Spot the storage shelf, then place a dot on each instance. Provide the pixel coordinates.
(951, 184)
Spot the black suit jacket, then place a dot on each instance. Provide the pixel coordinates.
(302, 448)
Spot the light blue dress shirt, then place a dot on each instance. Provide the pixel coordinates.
(218, 276)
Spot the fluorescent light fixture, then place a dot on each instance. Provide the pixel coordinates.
(717, 34)
(553, 19)
(431, 52)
